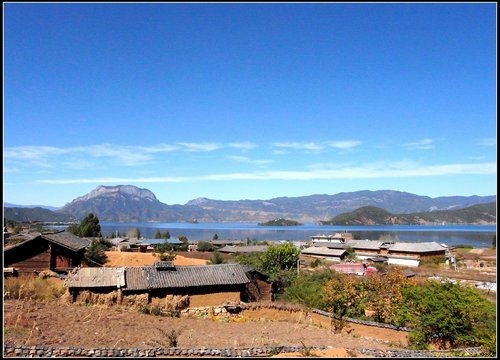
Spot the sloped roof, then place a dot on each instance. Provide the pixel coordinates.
(196, 275)
(62, 238)
(331, 245)
(135, 278)
(365, 244)
(422, 247)
(96, 277)
(243, 249)
(150, 277)
(322, 250)
(227, 242)
(68, 240)
(19, 239)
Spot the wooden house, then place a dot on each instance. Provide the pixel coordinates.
(33, 252)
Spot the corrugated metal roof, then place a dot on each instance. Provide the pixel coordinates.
(96, 277)
(196, 275)
(68, 240)
(322, 250)
(417, 247)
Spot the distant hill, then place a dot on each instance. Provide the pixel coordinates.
(129, 203)
(37, 214)
(371, 215)
(9, 205)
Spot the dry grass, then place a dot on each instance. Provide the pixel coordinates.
(30, 287)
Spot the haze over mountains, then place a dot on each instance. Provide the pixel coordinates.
(129, 203)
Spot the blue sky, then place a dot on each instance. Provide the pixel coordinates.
(236, 101)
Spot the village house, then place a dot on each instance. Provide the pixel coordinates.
(33, 252)
(206, 285)
(392, 253)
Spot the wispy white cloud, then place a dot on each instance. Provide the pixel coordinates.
(244, 146)
(309, 146)
(344, 144)
(488, 142)
(365, 171)
(247, 160)
(424, 144)
(113, 180)
(200, 147)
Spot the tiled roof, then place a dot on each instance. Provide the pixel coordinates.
(96, 277)
(417, 247)
(63, 238)
(322, 250)
(365, 244)
(19, 239)
(196, 275)
(68, 240)
(135, 278)
(149, 277)
(332, 245)
(243, 249)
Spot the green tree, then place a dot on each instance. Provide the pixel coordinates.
(215, 237)
(205, 246)
(185, 243)
(449, 315)
(216, 258)
(157, 234)
(279, 257)
(307, 288)
(88, 227)
(95, 253)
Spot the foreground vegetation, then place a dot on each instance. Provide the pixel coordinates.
(444, 314)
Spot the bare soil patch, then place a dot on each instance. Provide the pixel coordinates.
(123, 258)
(63, 324)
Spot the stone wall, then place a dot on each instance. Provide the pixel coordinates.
(69, 351)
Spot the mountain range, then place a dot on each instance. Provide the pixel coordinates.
(129, 203)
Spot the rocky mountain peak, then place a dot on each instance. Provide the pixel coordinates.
(112, 191)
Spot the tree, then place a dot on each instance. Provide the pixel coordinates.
(215, 237)
(307, 288)
(88, 227)
(185, 243)
(279, 257)
(342, 298)
(449, 315)
(383, 294)
(205, 246)
(216, 258)
(95, 254)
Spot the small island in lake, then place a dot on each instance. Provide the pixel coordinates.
(280, 222)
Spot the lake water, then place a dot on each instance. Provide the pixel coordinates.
(479, 236)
